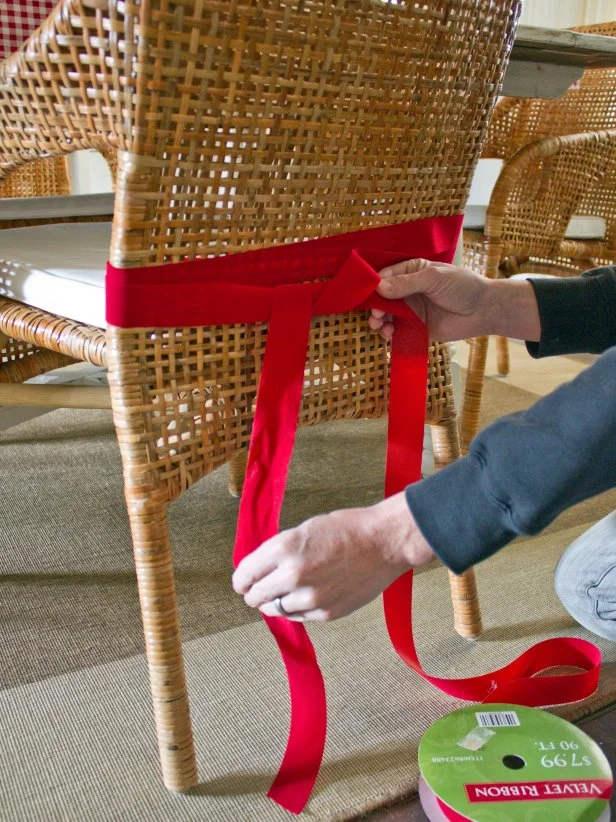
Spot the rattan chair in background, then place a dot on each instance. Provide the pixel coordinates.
(44, 178)
(255, 124)
(530, 222)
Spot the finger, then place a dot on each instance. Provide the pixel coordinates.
(296, 601)
(404, 267)
(377, 322)
(386, 331)
(257, 565)
(409, 277)
(277, 584)
(317, 615)
(300, 606)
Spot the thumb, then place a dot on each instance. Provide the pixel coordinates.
(406, 278)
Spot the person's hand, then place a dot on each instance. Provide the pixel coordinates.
(334, 563)
(453, 302)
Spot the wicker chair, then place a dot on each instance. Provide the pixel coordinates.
(46, 178)
(519, 236)
(253, 125)
(42, 178)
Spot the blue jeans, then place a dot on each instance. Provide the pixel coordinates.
(585, 578)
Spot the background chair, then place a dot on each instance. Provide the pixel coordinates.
(247, 126)
(558, 216)
(45, 178)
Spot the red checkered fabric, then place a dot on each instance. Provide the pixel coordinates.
(18, 19)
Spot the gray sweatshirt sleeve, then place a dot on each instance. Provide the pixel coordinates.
(526, 468)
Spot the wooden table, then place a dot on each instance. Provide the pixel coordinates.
(545, 62)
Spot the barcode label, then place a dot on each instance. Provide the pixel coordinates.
(497, 719)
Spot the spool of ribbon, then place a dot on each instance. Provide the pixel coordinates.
(511, 762)
(286, 286)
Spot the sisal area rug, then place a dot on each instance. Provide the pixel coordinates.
(75, 717)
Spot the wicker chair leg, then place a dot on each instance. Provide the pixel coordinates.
(464, 597)
(502, 356)
(150, 530)
(465, 601)
(237, 472)
(469, 422)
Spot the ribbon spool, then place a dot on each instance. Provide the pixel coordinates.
(509, 763)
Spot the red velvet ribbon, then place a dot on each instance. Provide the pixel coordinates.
(270, 285)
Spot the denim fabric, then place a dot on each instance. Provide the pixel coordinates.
(585, 578)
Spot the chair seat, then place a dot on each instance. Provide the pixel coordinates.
(75, 205)
(579, 228)
(57, 268)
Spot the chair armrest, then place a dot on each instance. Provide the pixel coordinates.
(55, 92)
(544, 184)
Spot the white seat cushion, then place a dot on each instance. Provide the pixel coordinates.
(581, 227)
(74, 205)
(57, 268)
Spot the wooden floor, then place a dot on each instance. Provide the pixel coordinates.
(539, 377)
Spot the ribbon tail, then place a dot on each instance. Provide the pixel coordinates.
(273, 436)
(516, 682)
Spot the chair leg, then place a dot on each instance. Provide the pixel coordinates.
(159, 612)
(237, 472)
(471, 407)
(502, 356)
(465, 601)
(464, 597)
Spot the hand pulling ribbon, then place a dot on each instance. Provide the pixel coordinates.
(269, 285)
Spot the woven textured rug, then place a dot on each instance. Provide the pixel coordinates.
(75, 716)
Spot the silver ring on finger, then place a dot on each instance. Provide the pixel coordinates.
(282, 610)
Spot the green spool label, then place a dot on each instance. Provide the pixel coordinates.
(498, 762)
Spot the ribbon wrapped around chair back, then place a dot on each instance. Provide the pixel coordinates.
(287, 286)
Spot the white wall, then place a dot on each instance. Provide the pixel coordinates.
(88, 172)
(562, 14)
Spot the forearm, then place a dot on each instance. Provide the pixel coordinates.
(512, 310)
(555, 315)
(523, 471)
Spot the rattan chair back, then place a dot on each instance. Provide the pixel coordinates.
(241, 124)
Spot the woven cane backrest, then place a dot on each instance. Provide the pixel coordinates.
(544, 185)
(580, 180)
(244, 124)
(43, 178)
(589, 105)
(305, 119)
(272, 122)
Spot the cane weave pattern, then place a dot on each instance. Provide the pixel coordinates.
(328, 118)
(560, 160)
(241, 124)
(588, 106)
